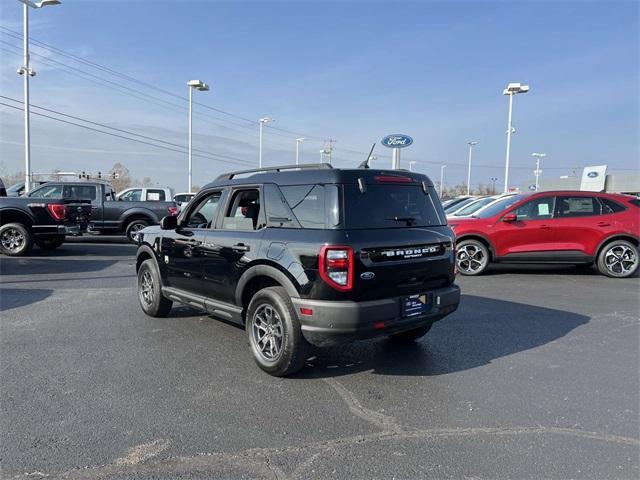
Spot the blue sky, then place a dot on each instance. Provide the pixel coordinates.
(353, 71)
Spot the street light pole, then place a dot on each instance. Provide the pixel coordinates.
(511, 90)
(263, 121)
(27, 72)
(442, 179)
(203, 87)
(471, 144)
(493, 185)
(298, 142)
(537, 171)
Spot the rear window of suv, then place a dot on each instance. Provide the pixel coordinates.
(392, 206)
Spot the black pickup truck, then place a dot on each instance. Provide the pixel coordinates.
(109, 215)
(45, 222)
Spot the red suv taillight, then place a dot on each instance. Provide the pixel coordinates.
(336, 267)
(57, 211)
(173, 211)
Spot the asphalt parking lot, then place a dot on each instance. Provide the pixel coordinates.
(536, 376)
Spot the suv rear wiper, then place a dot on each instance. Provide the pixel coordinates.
(409, 220)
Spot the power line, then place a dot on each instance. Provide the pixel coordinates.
(209, 156)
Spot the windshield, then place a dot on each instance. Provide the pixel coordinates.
(392, 206)
(500, 205)
(456, 206)
(474, 207)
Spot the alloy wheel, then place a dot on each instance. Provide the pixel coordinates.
(12, 240)
(471, 258)
(147, 288)
(267, 331)
(620, 260)
(134, 231)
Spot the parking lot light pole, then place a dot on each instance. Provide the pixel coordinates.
(511, 90)
(203, 87)
(442, 179)
(471, 144)
(27, 72)
(537, 171)
(263, 121)
(298, 142)
(493, 185)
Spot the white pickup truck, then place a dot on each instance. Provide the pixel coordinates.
(143, 194)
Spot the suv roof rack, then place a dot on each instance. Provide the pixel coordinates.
(305, 166)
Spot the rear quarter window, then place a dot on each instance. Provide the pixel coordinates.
(314, 206)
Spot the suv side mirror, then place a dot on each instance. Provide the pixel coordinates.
(170, 222)
(510, 217)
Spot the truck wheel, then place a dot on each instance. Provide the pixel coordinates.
(152, 301)
(618, 259)
(134, 227)
(15, 239)
(50, 243)
(275, 336)
(472, 257)
(411, 335)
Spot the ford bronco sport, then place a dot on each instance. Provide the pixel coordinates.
(305, 255)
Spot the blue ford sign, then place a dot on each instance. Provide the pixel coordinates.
(397, 141)
(592, 174)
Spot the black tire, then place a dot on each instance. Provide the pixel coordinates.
(50, 242)
(16, 240)
(472, 257)
(150, 296)
(289, 353)
(134, 227)
(411, 335)
(618, 259)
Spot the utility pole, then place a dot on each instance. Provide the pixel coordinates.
(330, 141)
(537, 172)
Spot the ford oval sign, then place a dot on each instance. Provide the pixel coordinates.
(397, 141)
(592, 174)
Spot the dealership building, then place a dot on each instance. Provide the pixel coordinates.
(592, 179)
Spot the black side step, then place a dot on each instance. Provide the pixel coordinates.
(223, 310)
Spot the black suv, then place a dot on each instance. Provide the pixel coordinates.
(306, 254)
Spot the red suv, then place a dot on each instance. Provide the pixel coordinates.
(553, 227)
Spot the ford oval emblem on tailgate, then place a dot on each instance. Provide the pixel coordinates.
(367, 275)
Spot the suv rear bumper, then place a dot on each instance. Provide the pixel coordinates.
(334, 322)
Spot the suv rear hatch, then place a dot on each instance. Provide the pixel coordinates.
(402, 245)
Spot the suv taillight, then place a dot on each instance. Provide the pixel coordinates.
(57, 211)
(336, 267)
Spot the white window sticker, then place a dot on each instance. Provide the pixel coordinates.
(153, 196)
(543, 209)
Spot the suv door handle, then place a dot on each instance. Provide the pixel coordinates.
(240, 247)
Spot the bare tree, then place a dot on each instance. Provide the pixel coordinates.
(120, 177)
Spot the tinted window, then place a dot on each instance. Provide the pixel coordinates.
(278, 212)
(307, 204)
(244, 211)
(578, 206)
(48, 191)
(452, 207)
(537, 209)
(500, 206)
(203, 215)
(609, 206)
(132, 195)
(155, 195)
(182, 198)
(80, 192)
(391, 206)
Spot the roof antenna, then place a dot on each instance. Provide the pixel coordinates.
(365, 164)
